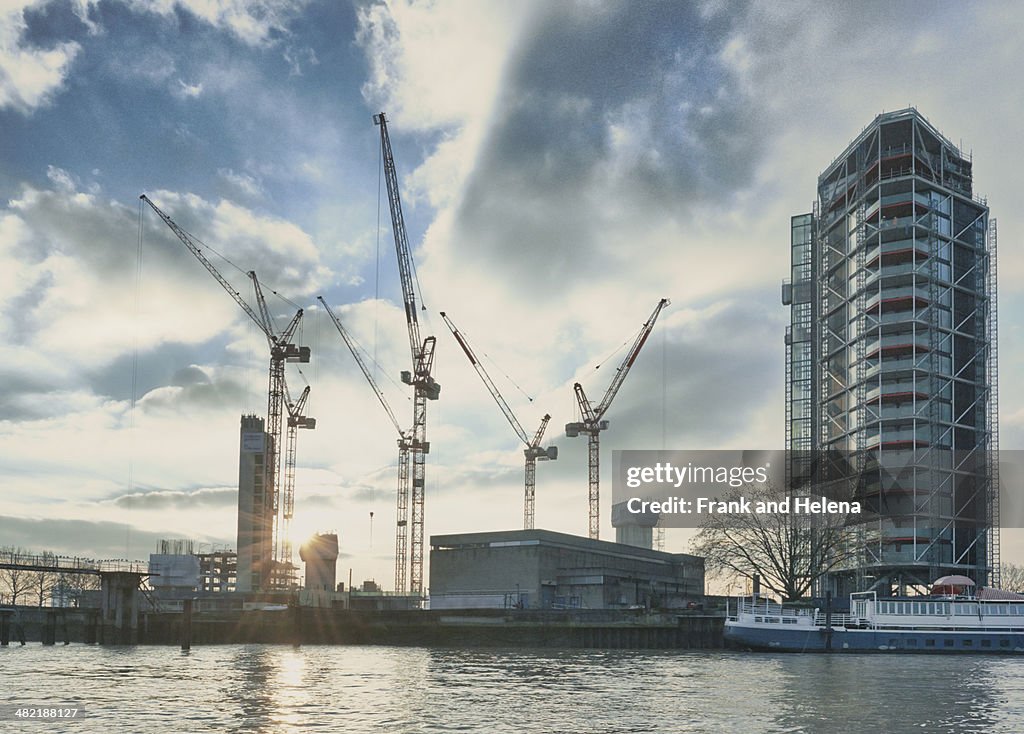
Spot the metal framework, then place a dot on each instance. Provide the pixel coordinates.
(296, 419)
(593, 420)
(905, 349)
(404, 446)
(533, 450)
(282, 350)
(424, 386)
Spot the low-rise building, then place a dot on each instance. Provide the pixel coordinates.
(541, 569)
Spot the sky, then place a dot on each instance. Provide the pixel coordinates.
(563, 166)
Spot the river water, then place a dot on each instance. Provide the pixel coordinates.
(259, 688)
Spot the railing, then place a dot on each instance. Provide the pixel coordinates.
(70, 564)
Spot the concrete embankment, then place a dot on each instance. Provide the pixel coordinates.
(470, 628)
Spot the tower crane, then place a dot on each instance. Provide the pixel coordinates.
(424, 386)
(404, 446)
(593, 417)
(282, 350)
(533, 450)
(296, 419)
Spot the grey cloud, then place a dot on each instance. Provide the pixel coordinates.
(190, 375)
(717, 374)
(178, 499)
(209, 395)
(100, 540)
(367, 494)
(552, 169)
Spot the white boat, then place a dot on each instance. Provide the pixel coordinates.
(951, 620)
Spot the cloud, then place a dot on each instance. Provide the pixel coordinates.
(29, 76)
(188, 91)
(282, 254)
(83, 538)
(243, 183)
(254, 22)
(164, 499)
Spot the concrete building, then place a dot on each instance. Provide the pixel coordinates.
(891, 353)
(320, 554)
(541, 569)
(636, 529)
(255, 507)
(218, 571)
(172, 574)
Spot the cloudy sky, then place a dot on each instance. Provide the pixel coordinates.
(563, 166)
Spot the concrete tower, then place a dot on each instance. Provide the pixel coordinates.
(255, 508)
(320, 554)
(891, 353)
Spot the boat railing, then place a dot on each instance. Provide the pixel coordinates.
(768, 608)
(838, 619)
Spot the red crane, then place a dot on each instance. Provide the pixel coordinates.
(593, 417)
(533, 450)
(404, 446)
(282, 350)
(424, 386)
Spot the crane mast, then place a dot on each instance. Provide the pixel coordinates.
(404, 446)
(282, 350)
(297, 419)
(593, 418)
(424, 386)
(533, 450)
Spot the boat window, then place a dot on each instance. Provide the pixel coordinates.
(947, 643)
(911, 642)
(968, 643)
(758, 619)
(929, 643)
(1004, 643)
(986, 643)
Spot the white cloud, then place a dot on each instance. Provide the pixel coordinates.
(188, 91)
(245, 184)
(29, 77)
(255, 22)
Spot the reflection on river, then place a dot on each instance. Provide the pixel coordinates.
(381, 689)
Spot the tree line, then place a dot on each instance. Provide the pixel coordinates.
(40, 588)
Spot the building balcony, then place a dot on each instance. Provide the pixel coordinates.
(897, 252)
(897, 345)
(893, 441)
(897, 300)
(895, 394)
(894, 368)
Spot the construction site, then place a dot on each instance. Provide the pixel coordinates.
(258, 590)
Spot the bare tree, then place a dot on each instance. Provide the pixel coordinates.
(17, 582)
(788, 551)
(44, 581)
(1012, 577)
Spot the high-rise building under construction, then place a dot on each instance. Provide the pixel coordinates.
(255, 508)
(891, 354)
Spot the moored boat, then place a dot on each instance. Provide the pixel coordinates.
(990, 621)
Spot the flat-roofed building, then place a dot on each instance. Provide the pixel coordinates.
(541, 569)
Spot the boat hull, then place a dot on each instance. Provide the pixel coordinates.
(777, 638)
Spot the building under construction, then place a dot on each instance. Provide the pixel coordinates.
(891, 353)
(255, 508)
